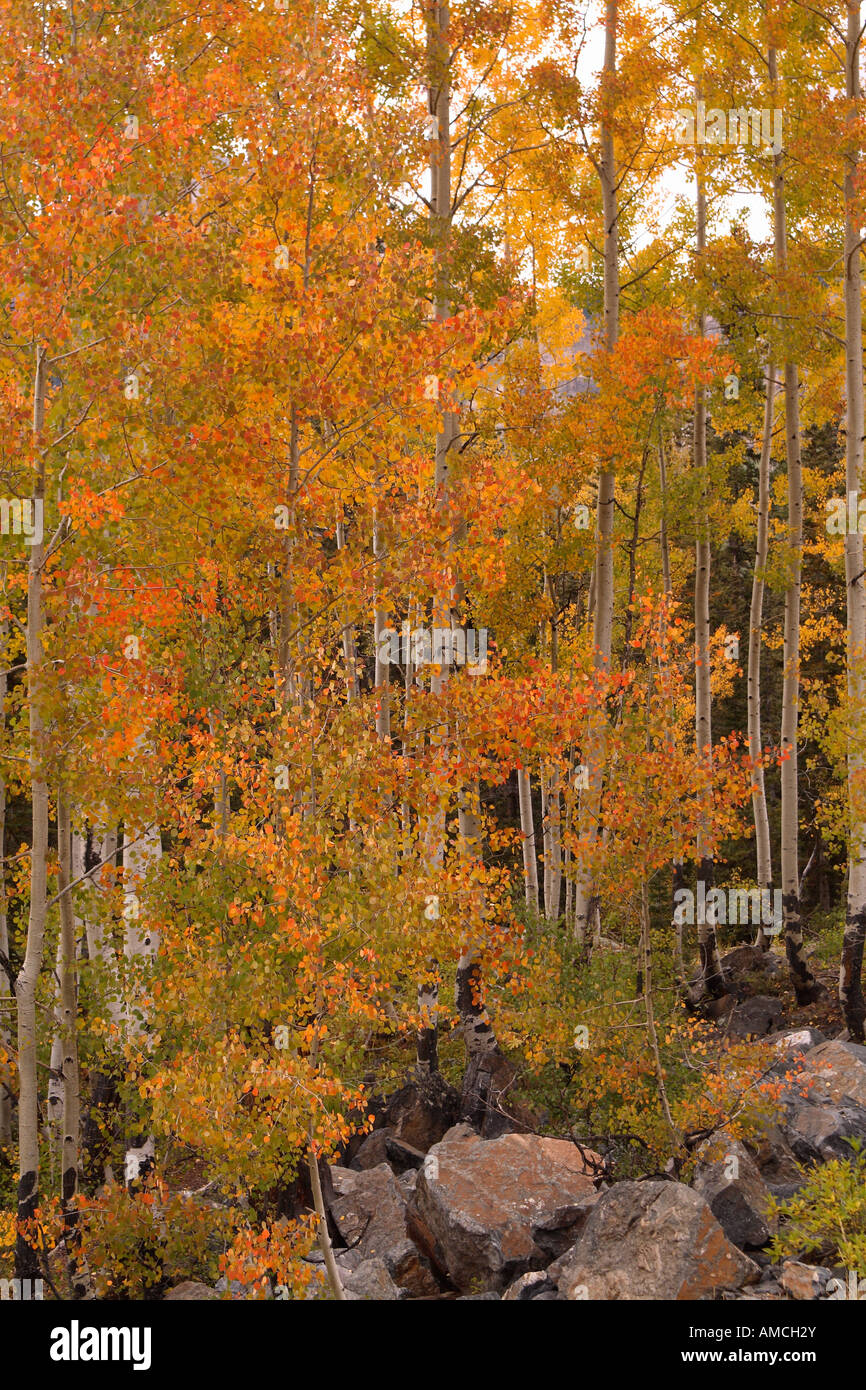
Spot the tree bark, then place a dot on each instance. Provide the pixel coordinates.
(527, 831)
(439, 113)
(802, 978)
(6, 997)
(26, 1259)
(70, 1165)
(141, 944)
(851, 969)
(348, 632)
(710, 979)
(602, 586)
(383, 665)
(764, 863)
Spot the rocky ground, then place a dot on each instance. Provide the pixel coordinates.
(429, 1206)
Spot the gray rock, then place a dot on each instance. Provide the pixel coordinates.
(529, 1286)
(459, 1131)
(402, 1156)
(728, 1179)
(755, 1017)
(832, 1072)
(823, 1092)
(191, 1291)
(776, 1160)
(348, 1260)
(804, 1282)
(342, 1179)
(836, 1070)
(795, 1041)
(821, 1132)
(488, 1210)
(373, 1150)
(783, 1190)
(371, 1280)
(370, 1215)
(750, 960)
(423, 1110)
(652, 1240)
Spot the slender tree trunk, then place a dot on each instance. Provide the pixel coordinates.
(348, 633)
(90, 853)
(409, 741)
(475, 1022)
(664, 544)
(289, 659)
(383, 665)
(801, 977)
(324, 1238)
(70, 1155)
(221, 799)
(677, 874)
(850, 973)
(610, 213)
(439, 107)
(439, 115)
(428, 1031)
(6, 998)
(546, 845)
(711, 981)
(649, 1005)
(54, 1094)
(140, 946)
(764, 865)
(602, 586)
(553, 837)
(26, 1258)
(527, 830)
(678, 881)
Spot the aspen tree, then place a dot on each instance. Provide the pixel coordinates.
(26, 1259)
(6, 997)
(850, 972)
(527, 832)
(677, 872)
(70, 1165)
(801, 977)
(710, 975)
(764, 866)
(142, 849)
(602, 588)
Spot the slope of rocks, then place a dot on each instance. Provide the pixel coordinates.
(428, 1207)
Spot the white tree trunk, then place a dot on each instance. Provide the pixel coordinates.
(850, 972)
(383, 665)
(54, 1094)
(439, 114)
(527, 830)
(141, 850)
(99, 948)
(711, 981)
(801, 977)
(348, 633)
(71, 1118)
(602, 585)
(764, 863)
(26, 1259)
